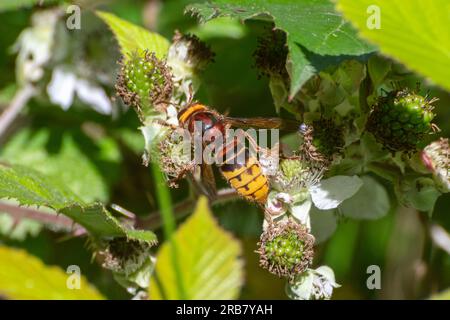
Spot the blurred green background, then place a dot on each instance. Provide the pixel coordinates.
(396, 243)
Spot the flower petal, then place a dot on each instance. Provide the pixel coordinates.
(329, 193)
(323, 223)
(61, 88)
(94, 96)
(302, 289)
(370, 202)
(301, 212)
(328, 274)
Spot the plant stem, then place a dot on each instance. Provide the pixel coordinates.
(19, 101)
(426, 283)
(169, 224)
(27, 213)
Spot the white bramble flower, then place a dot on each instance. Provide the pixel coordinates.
(65, 84)
(301, 186)
(154, 132)
(187, 56)
(35, 45)
(313, 284)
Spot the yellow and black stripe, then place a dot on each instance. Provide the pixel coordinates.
(187, 112)
(247, 179)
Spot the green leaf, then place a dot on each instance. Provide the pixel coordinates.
(220, 28)
(414, 32)
(132, 138)
(370, 202)
(141, 235)
(336, 90)
(323, 223)
(32, 188)
(209, 256)
(95, 218)
(6, 5)
(300, 69)
(77, 161)
(378, 68)
(419, 193)
(132, 38)
(25, 277)
(331, 192)
(29, 187)
(299, 18)
(312, 24)
(7, 93)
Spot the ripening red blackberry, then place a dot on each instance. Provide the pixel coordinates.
(401, 120)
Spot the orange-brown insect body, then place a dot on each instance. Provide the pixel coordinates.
(245, 176)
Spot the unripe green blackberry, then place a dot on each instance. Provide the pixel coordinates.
(322, 141)
(400, 120)
(144, 82)
(286, 248)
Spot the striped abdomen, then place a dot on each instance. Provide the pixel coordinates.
(246, 175)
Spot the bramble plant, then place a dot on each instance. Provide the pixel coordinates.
(357, 134)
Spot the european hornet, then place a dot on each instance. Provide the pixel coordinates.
(246, 176)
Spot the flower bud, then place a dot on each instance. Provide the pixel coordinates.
(313, 285)
(130, 261)
(189, 53)
(436, 157)
(175, 152)
(124, 256)
(187, 57)
(277, 203)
